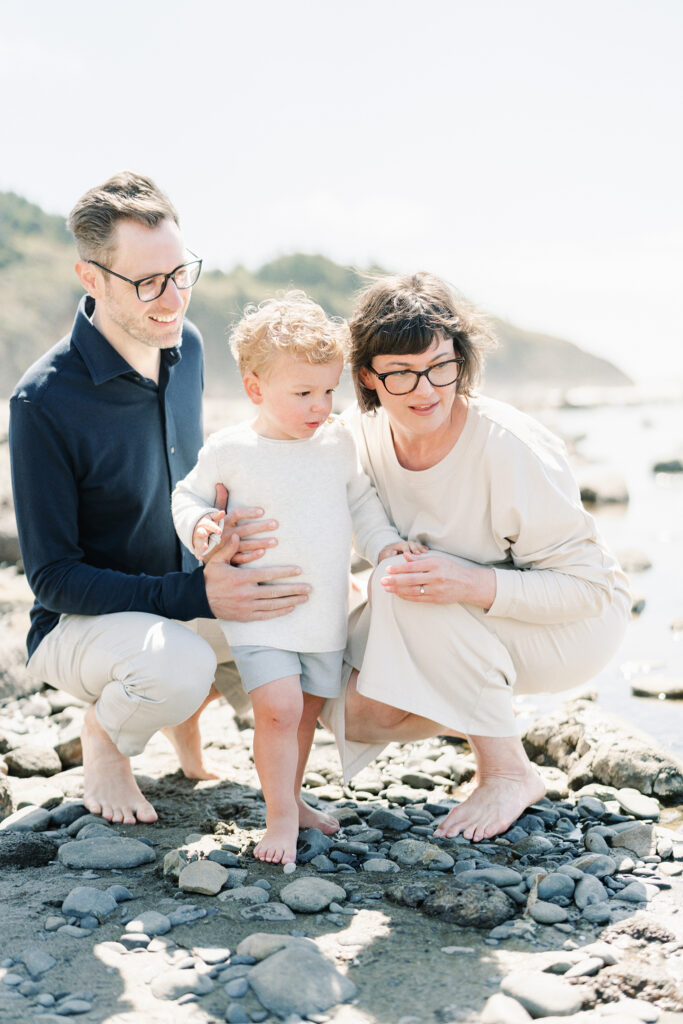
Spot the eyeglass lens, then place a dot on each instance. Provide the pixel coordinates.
(183, 277)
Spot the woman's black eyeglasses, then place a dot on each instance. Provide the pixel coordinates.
(402, 382)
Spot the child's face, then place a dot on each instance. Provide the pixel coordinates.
(294, 398)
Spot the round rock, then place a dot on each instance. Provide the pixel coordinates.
(543, 995)
(637, 804)
(203, 876)
(175, 983)
(150, 922)
(114, 852)
(309, 895)
(84, 901)
(28, 761)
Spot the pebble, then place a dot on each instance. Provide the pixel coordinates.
(389, 821)
(237, 988)
(86, 901)
(554, 886)
(267, 912)
(135, 940)
(499, 876)
(310, 895)
(589, 890)
(176, 983)
(37, 962)
(596, 864)
(236, 1014)
(547, 913)
(203, 876)
(27, 819)
(28, 761)
(542, 994)
(244, 894)
(502, 1009)
(639, 839)
(380, 865)
(151, 922)
(298, 979)
(289, 868)
(413, 852)
(113, 852)
(311, 843)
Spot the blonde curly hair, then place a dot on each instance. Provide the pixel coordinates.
(290, 323)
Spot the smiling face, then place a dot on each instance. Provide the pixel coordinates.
(294, 396)
(137, 252)
(425, 410)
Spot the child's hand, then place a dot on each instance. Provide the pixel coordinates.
(207, 528)
(399, 549)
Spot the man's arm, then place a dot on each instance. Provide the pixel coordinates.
(46, 504)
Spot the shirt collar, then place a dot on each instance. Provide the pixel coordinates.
(101, 359)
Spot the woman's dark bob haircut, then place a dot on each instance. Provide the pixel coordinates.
(401, 316)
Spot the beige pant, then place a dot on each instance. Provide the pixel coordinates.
(143, 672)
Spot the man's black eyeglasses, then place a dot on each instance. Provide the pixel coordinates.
(150, 288)
(402, 382)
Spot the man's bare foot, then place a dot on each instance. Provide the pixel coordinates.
(108, 783)
(187, 741)
(310, 818)
(497, 801)
(278, 845)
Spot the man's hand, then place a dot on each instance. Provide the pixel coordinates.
(239, 595)
(249, 549)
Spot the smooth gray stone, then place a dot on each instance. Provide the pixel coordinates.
(555, 886)
(74, 931)
(267, 912)
(542, 994)
(589, 890)
(323, 863)
(236, 1014)
(174, 983)
(494, 875)
(389, 821)
(67, 813)
(205, 877)
(12, 980)
(37, 961)
(414, 852)
(85, 901)
(547, 913)
(311, 894)
(226, 858)
(637, 892)
(597, 913)
(95, 829)
(28, 761)
(310, 844)
(639, 839)
(119, 893)
(27, 819)
(150, 922)
(114, 852)
(73, 1007)
(299, 980)
(381, 865)
(595, 842)
(595, 864)
(211, 954)
(135, 940)
(244, 894)
(186, 914)
(236, 877)
(236, 988)
(502, 1009)
(532, 844)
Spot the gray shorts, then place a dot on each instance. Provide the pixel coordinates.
(320, 673)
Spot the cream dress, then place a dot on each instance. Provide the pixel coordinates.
(503, 497)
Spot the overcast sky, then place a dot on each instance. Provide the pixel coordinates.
(529, 151)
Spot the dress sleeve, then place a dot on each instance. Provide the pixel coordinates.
(372, 529)
(44, 477)
(560, 568)
(194, 496)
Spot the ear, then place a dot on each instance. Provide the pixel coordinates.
(252, 387)
(367, 379)
(87, 275)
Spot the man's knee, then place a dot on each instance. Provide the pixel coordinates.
(184, 668)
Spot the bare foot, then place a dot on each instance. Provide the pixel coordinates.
(108, 783)
(278, 845)
(497, 801)
(310, 818)
(187, 742)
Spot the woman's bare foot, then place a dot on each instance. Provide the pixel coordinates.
(310, 818)
(278, 845)
(497, 801)
(187, 742)
(108, 783)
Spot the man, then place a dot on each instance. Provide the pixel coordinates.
(101, 429)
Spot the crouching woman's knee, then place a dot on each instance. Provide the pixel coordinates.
(186, 667)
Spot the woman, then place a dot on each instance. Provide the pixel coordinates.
(517, 591)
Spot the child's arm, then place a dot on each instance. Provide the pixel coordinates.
(193, 499)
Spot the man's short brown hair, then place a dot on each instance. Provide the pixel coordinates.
(402, 315)
(126, 196)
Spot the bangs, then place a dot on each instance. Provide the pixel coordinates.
(407, 337)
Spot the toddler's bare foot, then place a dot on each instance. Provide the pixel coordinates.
(310, 818)
(497, 801)
(108, 783)
(278, 845)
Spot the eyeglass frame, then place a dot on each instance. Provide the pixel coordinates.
(148, 277)
(419, 373)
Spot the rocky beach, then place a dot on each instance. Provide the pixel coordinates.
(575, 913)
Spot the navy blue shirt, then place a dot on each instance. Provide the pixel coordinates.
(96, 451)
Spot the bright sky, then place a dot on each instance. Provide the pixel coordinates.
(529, 151)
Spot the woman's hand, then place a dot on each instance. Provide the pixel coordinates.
(436, 579)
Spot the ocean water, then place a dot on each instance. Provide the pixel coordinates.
(628, 439)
